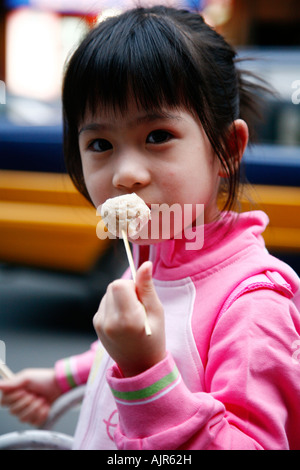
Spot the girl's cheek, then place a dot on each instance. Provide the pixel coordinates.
(95, 184)
(170, 179)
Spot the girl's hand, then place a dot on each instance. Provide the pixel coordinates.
(29, 394)
(120, 323)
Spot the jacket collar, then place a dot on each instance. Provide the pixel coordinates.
(222, 239)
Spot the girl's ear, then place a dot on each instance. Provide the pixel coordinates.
(237, 142)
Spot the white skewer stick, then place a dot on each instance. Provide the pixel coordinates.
(5, 372)
(133, 273)
(129, 255)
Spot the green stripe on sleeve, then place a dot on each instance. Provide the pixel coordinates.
(150, 390)
(68, 372)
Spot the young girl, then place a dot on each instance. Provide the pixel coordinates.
(154, 104)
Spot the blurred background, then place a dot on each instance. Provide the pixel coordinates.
(53, 268)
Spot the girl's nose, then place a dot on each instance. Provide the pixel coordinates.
(130, 173)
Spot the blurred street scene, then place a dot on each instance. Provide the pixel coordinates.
(53, 268)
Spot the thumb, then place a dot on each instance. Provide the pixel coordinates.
(144, 284)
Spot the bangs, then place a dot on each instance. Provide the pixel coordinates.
(141, 57)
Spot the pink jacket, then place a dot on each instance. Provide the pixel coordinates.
(232, 374)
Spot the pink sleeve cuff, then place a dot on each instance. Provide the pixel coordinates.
(73, 371)
(146, 386)
(160, 392)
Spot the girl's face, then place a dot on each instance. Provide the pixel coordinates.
(164, 157)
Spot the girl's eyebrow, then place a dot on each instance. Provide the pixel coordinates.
(97, 126)
(93, 126)
(156, 117)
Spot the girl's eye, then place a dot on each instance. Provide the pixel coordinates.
(100, 145)
(158, 137)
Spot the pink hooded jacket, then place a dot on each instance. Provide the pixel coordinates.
(231, 379)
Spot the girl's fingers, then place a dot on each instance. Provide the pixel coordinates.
(9, 398)
(18, 406)
(122, 309)
(130, 311)
(27, 407)
(16, 382)
(120, 305)
(35, 412)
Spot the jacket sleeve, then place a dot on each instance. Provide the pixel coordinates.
(73, 371)
(251, 382)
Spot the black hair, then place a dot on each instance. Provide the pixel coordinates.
(163, 57)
